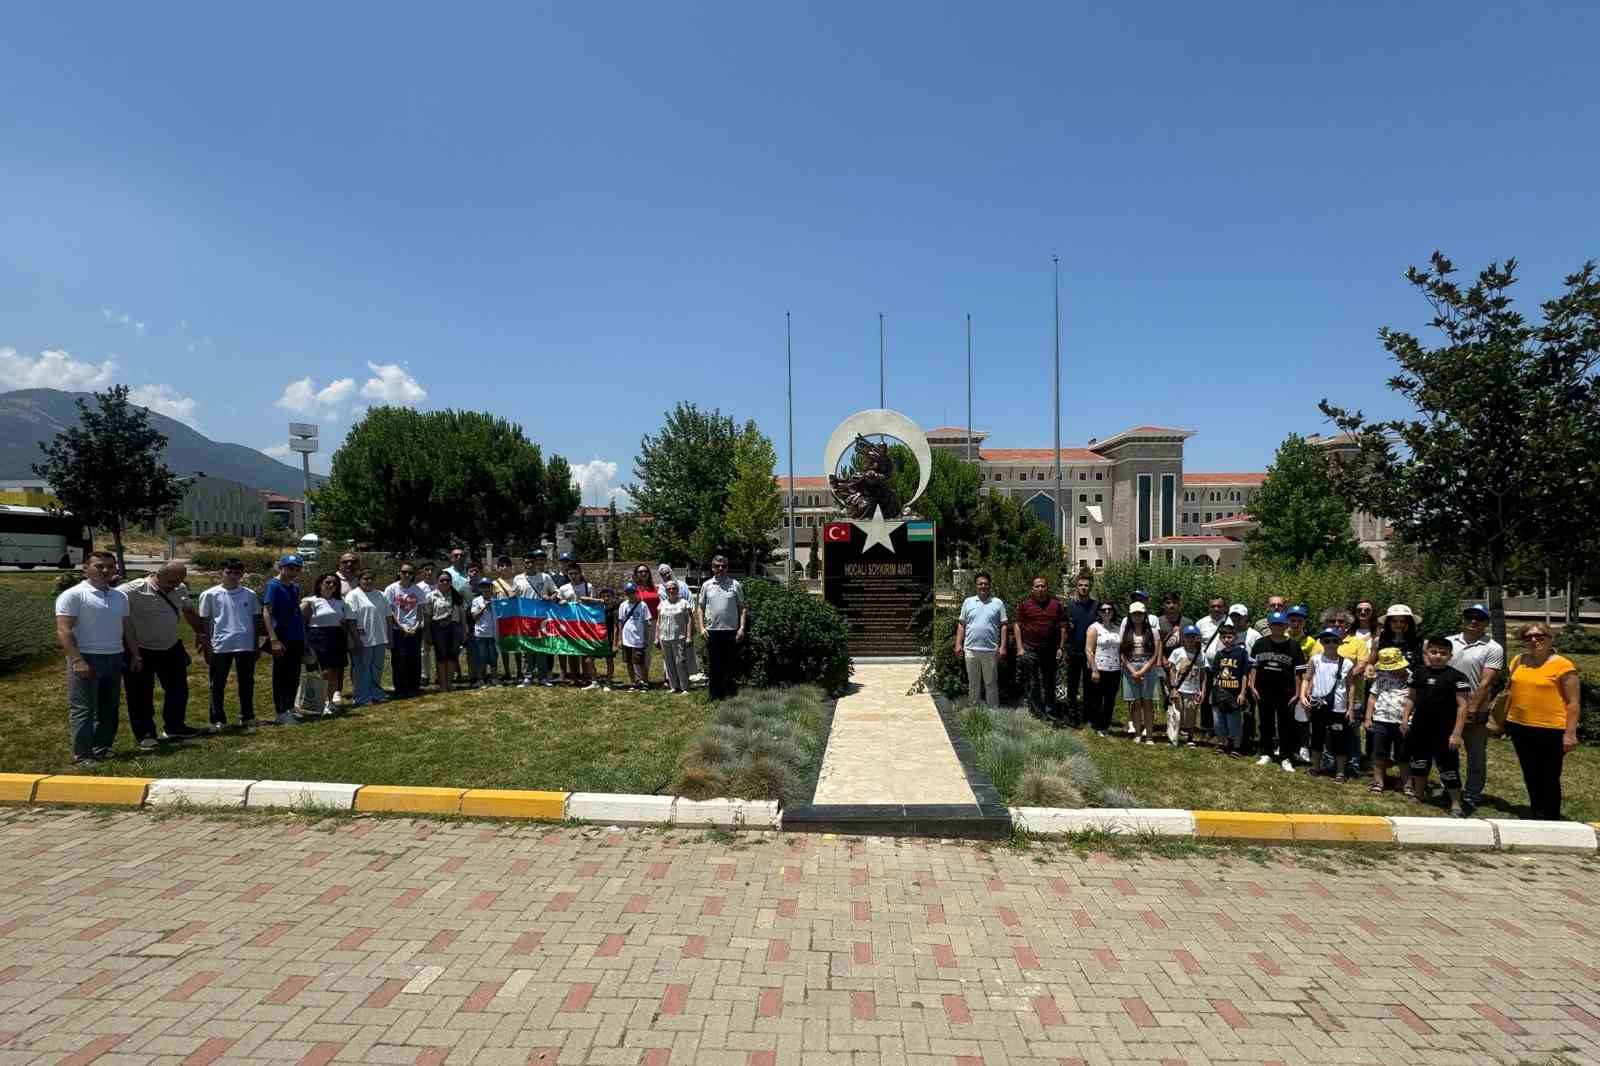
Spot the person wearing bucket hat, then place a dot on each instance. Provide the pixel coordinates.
(1482, 659)
(1387, 699)
(1399, 630)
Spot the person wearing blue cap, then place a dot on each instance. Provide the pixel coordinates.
(1325, 694)
(1482, 659)
(1274, 682)
(1186, 685)
(286, 636)
(633, 625)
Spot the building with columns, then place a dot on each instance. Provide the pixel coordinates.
(1125, 496)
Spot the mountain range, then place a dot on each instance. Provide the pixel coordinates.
(30, 416)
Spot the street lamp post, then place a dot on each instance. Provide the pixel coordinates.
(788, 347)
(1061, 519)
(303, 439)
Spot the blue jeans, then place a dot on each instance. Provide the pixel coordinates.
(366, 673)
(1229, 722)
(481, 654)
(93, 705)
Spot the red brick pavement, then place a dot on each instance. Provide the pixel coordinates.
(128, 939)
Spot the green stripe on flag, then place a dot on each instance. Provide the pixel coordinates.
(919, 530)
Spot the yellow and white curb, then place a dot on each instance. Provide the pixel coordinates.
(1505, 834)
(222, 793)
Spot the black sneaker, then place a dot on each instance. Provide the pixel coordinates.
(183, 732)
(88, 762)
(149, 744)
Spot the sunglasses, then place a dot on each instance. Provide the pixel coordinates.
(407, 573)
(1537, 638)
(232, 571)
(1105, 610)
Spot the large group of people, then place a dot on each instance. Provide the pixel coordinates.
(127, 635)
(1354, 696)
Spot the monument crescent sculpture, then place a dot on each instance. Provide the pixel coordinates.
(869, 491)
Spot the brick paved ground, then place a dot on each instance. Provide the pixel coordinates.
(128, 938)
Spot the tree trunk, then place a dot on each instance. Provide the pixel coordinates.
(1497, 612)
(116, 540)
(1574, 596)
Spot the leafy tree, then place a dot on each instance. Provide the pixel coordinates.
(683, 476)
(417, 482)
(179, 526)
(754, 509)
(1502, 459)
(1006, 533)
(107, 470)
(634, 542)
(951, 500)
(561, 493)
(1302, 520)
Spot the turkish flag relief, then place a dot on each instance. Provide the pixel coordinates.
(837, 531)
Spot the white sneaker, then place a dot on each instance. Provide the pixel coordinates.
(592, 684)
(524, 683)
(1288, 767)
(1131, 730)
(1264, 760)
(1305, 755)
(337, 699)
(327, 710)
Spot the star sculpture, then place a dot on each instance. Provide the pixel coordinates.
(877, 528)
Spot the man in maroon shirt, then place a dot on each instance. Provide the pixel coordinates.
(1040, 638)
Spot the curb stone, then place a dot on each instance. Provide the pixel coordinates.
(1544, 836)
(197, 792)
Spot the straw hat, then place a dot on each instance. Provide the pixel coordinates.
(1392, 659)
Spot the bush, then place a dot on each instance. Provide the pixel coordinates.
(760, 745)
(275, 538)
(27, 621)
(795, 638)
(256, 560)
(1033, 765)
(222, 540)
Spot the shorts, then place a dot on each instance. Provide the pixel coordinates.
(1333, 724)
(1387, 742)
(1431, 744)
(328, 644)
(1141, 690)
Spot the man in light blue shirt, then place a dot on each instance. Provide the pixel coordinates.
(983, 619)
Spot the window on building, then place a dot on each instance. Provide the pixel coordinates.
(1083, 497)
(1099, 564)
(1083, 520)
(1145, 507)
(1169, 503)
(1083, 542)
(1082, 476)
(1099, 542)
(1099, 497)
(1098, 476)
(1022, 476)
(1208, 516)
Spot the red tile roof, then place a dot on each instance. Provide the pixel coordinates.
(810, 481)
(1039, 455)
(1229, 523)
(1252, 478)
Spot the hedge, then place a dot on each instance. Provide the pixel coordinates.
(795, 638)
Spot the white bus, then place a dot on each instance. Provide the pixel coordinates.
(32, 536)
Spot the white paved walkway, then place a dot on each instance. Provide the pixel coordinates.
(888, 747)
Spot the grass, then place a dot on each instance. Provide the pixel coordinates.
(760, 745)
(560, 738)
(1198, 779)
(1032, 765)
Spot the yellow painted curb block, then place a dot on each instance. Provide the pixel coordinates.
(1342, 828)
(1243, 825)
(104, 791)
(18, 788)
(513, 803)
(411, 799)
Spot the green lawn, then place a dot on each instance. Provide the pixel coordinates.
(1199, 779)
(557, 738)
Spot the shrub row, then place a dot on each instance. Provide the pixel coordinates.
(1033, 765)
(795, 638)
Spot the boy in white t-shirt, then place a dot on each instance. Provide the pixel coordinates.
(1325, 694)
(1186, 685)
(485, 645)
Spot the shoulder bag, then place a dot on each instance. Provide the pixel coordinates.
(1496, 722)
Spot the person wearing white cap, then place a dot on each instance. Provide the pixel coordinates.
(1481, 658)
(1239, 615)
(1140, 659)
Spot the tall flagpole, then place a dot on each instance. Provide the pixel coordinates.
(969, 388)
(1061, 518)
(788, 345)
(880, 358)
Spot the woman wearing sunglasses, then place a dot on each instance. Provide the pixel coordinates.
(1542, 717)
(1102, 646)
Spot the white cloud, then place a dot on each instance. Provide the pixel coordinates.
(165, 399)
(304, 398)
(393, 386)
(595, 476)
(277, 451)
(122, 318)
(53, 370)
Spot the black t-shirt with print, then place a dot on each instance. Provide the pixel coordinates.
(1228, 672)
(1433, 697)
(1277, 663)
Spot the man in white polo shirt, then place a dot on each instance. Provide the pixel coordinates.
(93, 629)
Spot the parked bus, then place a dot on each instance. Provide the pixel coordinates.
(33, 536)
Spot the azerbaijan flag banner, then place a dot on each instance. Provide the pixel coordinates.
(549, 626)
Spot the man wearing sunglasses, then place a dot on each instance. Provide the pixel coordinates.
(227, 638)
(1481, 658)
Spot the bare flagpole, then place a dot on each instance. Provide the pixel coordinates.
(1061, 520)
(969, 388)
(788, 345)
(880, 358)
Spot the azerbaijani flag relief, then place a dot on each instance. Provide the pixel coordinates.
(550, 626)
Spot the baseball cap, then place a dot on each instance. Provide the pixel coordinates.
(1299, 610)
(566, 557)
(1141, 595)
(1277, 618)
(1190, 631)
(1229, 626)
(1329, 634)
(1476, 608)
(630, 587)
(1239, 609)
(1137, 608)
(537, 553)
(291, 560)
(482, 581)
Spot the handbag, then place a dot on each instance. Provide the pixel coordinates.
(1501, 707)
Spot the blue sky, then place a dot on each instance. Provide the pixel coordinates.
(576, 216)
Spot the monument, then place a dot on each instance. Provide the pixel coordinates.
(877, 565)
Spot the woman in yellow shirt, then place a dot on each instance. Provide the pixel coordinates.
(1542, 717)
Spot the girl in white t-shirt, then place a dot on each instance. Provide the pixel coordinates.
(330, 634)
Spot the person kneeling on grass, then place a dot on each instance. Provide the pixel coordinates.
(1230, 678)
(1324, 693)
(1436, 713)
(1386, 710)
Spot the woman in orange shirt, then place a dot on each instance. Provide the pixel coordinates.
(1542, 717)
